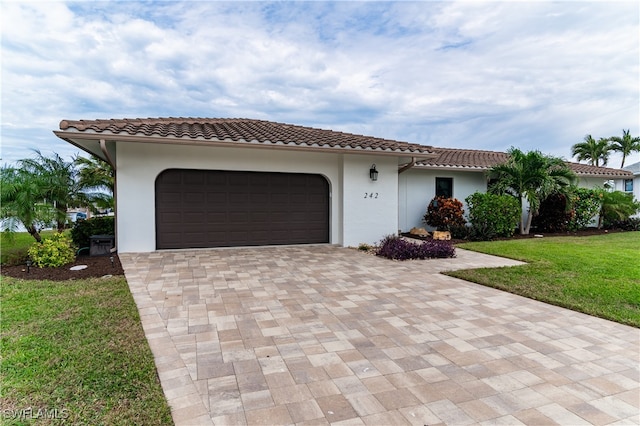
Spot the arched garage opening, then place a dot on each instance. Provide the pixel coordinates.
(222, 208)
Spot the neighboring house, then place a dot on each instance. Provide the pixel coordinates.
(202, 182)
(631, 184)
(73, 216)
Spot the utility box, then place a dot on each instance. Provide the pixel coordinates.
(101, 245)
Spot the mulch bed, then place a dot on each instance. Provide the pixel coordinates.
(97, 266)
(517, 236)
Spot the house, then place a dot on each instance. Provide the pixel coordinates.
(631, 184)
(74, 216)
(207, 182)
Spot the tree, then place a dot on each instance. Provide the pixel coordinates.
(625, 144)
(617, 205)
(22, 200)
(97, 178)
(530, 177)
(595, 152)
(59, 183)
(43, 188)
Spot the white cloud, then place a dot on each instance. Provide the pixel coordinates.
(537, 75)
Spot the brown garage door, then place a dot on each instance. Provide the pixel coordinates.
(214, 208)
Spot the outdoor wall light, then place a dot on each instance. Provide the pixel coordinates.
(373, 173)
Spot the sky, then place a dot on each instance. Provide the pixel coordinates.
(478, 75)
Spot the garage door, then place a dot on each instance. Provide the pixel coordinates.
(214, 208)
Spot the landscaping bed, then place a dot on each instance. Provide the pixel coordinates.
(97, 266)
(582, 233)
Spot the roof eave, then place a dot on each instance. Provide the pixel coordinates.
(454, 167)
(95, 152)
(73, 136)
(595, 175)
(487, 168)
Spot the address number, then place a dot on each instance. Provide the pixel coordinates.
(370, 195)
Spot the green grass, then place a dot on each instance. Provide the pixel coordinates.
(598, 275)
(76, 347)
(14, 246)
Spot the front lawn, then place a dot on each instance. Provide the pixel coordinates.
(598, 275)
(75, 351)
(14, 246)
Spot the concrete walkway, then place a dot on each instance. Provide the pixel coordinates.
(327, 335)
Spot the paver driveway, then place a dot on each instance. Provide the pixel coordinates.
(321, 334)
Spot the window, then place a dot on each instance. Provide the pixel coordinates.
(444, 187)
(628, 185)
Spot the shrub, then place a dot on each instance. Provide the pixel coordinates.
(364, 247)
(483, 232)
(492, 215)
(586, 205)
(393, 247)
(460, 232)
(554, 215)
(444, 213)
(631, 224)
(618, 206)
(54, 251)
(84, 229)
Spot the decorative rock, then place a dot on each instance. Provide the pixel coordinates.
(421, 232)
(441, 235)
(78, 267)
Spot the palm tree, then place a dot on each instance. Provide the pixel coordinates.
(97, 177)
(43, 188)
(592, 151)
(617, 205)
(22, 201)
(625, 144)
(59, 182)
(531, 177)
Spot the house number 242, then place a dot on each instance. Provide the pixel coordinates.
(370, 195)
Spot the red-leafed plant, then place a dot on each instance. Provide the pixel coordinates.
(444, 213)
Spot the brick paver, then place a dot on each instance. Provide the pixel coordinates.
(329, 335)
